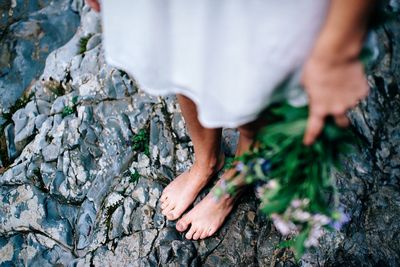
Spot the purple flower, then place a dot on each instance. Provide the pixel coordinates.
(240, 166)
(343, 219)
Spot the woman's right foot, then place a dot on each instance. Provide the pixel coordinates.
(183, 190)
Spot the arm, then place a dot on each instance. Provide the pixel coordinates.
(333, 77)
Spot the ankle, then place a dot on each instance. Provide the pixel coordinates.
(210, 164)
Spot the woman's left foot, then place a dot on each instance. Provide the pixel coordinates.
(207, 216)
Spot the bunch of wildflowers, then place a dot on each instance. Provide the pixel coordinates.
(294, 182)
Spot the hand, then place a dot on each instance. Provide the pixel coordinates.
(333, 86)
(94, 4)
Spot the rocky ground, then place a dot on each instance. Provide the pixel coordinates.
(86, 155)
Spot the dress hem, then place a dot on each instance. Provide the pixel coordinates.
(175, 89)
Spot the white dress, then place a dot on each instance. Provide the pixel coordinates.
(229, 56)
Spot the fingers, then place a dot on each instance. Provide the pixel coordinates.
(315, 124)
(342, 120)
(94, 4)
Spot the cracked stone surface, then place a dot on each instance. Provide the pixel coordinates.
(78, 194)
(29, 31)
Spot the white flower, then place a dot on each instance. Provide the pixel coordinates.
(321, 219)
(301, 215)
(272, 184)
(296, 203)
(306, 201)
(283, 226)
(260, 191)
(315, 233)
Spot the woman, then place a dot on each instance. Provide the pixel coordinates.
(226, 61)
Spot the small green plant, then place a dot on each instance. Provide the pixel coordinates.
(140, 142)
(68, 110)
(83, 43)
(134, 177)
(74, 100)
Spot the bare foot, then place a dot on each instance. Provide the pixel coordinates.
(183, 190)
(207, 216)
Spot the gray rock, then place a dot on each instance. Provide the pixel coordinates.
(59, 104)
(78, 195)
(48, 174)
(39, 120)
(36, 249)
(94, 41)
(51, 152)
(10, 136)
(27, 42)
(230, 140)
(128, 250)
(85, 224)
(23, 134)
(20, 120)
(43, 106)
(15, 175)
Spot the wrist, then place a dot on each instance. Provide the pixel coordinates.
(337, 51)
(341, 38)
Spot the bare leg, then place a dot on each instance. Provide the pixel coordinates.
(208, 215)
(209, 159)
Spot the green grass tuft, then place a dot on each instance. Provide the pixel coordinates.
(134, 177)
(68, 110)
(140, 142)
(83, 43)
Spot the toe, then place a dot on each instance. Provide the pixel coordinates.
(165, 204)
(197, 234)
(182, 224)
(163, 199)
(164, 196)
(171, 215)
(189, 234)
(176, 213)
(212, 231)
(170, 207)
(204, 234)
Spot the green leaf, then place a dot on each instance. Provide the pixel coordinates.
(285, 244)
(299, 241)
